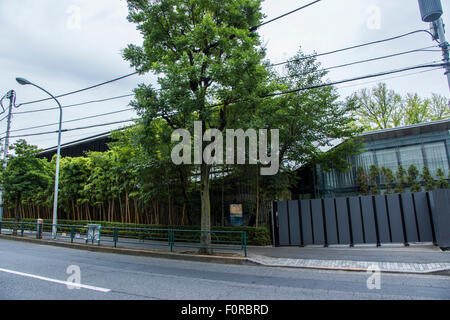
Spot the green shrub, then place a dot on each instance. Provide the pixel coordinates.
(254, 236)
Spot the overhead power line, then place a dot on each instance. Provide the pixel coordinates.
(390, 78)
(352, 47)
(81, 90)
(366, 60)
(75, 105)
(74, 120)
(254, 28)
(328, 68)
(73, 129)
(432, 65)
(283, 15)
(354, 85)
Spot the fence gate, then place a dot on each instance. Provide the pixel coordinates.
(380, 219)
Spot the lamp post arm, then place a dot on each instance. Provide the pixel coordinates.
(58, 155)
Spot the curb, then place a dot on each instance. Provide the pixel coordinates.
(135, 252)
(442, 272)
(202, 258)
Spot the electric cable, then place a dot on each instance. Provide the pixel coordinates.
(431, 65)
(75, 105)
(283, 15)
(80, 90)
(350, 48)
(74, 120)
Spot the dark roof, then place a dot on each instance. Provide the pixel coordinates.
(99, 142)
(416, 129)
(79, 148)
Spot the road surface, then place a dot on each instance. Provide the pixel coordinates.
(31, 271)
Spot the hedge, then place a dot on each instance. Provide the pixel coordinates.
(255, 236)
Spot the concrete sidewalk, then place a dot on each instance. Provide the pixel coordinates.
(412, 259)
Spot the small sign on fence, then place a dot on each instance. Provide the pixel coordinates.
(236, 214)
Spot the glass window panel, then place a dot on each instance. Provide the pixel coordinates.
(411, 155)
(330, 180)
(436, 157)
(387, 158)
(364, 160)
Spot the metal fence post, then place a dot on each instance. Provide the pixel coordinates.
(0, 227)
(245, 243)
(171, 239)
(22, 228)
(115, 237)
(72, 234)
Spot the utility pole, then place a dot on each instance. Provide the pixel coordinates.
(431, 11)
(11, 95)
(439, 31)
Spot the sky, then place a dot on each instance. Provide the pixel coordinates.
(66, 45)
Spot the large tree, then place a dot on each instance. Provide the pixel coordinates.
(25, 177)
(315, 126)
(378, 107)
(382, 108)
(204, 55)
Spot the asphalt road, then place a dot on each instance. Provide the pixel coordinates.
(30, 271)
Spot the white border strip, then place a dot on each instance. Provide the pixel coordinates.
(75, 285)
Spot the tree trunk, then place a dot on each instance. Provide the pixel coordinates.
(206, 210)
(16, 220)
(257, 196)
(121, 209)
(136, 212)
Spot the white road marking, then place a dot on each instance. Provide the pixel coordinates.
(76, 285)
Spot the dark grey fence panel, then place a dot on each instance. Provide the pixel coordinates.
(330, 222)
(409, 217)
(283, 223)
(395, 218)
(382, 219)
(440, 208)
(368, 215)
(342, 221)
(307, 229)
(317, 219)
(423, 215)
(356, 220)
(405, 218)
(294, 223)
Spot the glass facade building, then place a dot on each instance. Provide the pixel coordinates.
(422, 145)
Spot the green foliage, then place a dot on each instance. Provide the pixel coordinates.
(205, 55)
(442, 182)
(413, 174)
(254, 236)
(26, 178)
(430, 184)
(374, 174)
(362, 180)
(401, 180)
(389, 179)
(381, 108)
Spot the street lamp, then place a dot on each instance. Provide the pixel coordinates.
(23, 82)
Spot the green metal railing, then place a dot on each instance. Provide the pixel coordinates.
(171, 238)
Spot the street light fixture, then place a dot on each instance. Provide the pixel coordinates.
(23, 82)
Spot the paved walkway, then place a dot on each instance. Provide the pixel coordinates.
(412, 259)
